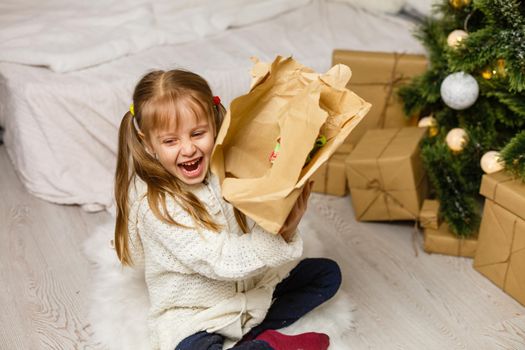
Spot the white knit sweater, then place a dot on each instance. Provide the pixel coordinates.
(203, 280)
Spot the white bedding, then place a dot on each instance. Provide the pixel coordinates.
(70, 35)
(61, 128)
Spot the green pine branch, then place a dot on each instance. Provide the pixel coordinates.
(495, 45)
(458, 204)
(513, 155)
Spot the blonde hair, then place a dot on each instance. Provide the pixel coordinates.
(156, 99)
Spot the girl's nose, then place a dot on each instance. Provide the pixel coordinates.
(188, 148)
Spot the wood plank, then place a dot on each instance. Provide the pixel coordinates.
(404, 301)
(507, 335)
(43, 272)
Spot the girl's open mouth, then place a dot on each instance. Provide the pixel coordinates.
(192, 168)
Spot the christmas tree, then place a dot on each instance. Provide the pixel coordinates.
(472, 97)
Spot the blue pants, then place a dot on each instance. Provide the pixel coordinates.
(310, 283)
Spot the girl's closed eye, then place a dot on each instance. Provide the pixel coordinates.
(169, 141)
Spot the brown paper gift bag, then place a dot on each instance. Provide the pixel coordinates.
(386, 176)
(443, 241)
(293, 104)
(501, 251)
(377, 77)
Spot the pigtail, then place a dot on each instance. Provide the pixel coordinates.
(122, 181)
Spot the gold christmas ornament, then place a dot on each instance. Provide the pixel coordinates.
(487, 73)
(495, 70)
(456, 139)
(501, 71)
(457, 4)
(491, 162)
(456, 37)
(431, 123)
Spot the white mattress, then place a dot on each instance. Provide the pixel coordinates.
(61, 128)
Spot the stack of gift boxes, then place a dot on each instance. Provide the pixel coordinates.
(376, 76)
(381, 165)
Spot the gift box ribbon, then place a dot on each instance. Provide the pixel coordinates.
(389, 86)
(510, 252)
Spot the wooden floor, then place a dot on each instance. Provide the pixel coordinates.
(403, 301)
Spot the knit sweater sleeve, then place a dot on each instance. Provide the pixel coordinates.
(218, 255)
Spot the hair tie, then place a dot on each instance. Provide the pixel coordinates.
(135, 123)
(216, 100)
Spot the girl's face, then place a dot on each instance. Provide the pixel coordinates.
(185, 149)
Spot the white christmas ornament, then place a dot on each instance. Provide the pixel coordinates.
(491, 163)
(455, 37)
(459, 90)
(427, 121)
(456, 139)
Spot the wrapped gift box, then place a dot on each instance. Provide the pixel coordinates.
(385, 175)
(330, 178)
(443, 241)
(501, 251)
(429, 215)
(376, 77)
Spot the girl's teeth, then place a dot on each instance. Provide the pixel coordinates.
(191, 163)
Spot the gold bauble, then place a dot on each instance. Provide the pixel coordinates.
(456, 37)
(497, 69)
(457, 4)
(501, 71)
(456, 139)
(487, 73)
(491, 162)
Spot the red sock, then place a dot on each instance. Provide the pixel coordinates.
(304, 341)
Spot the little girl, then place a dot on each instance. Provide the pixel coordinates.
(215, 279)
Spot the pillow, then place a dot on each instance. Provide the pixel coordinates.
(384, 6)
(205, 17)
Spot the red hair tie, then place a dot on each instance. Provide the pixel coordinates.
(216, 100)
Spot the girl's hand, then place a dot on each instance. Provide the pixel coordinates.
(292, 221)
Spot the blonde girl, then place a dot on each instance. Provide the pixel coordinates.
(215, 279)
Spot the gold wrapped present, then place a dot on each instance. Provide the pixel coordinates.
(330, 178)
(376, 77)
(429, 215)
(443, 241)
(385, 175)
(501, 252)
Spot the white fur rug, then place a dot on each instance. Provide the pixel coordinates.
(119, 302)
